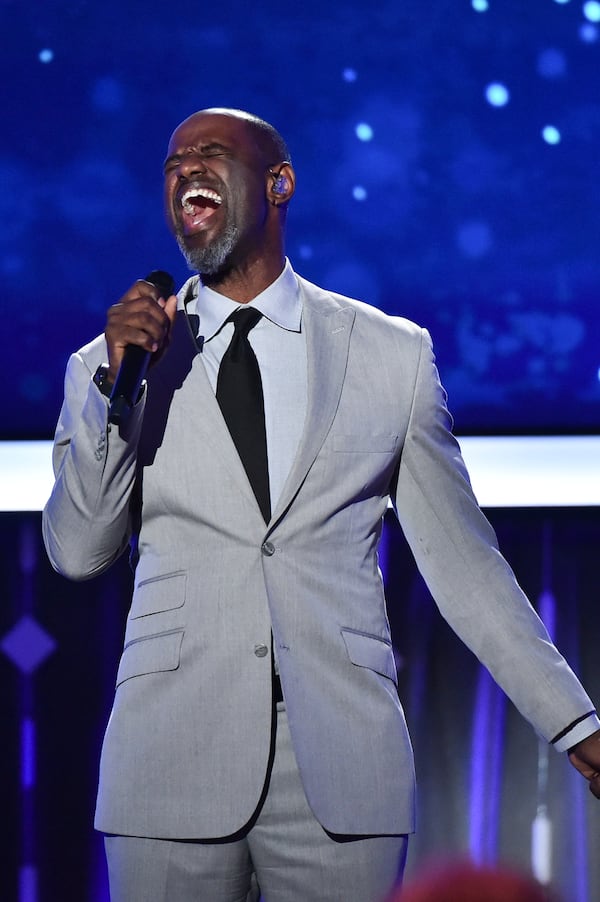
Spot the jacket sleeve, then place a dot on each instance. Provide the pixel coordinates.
(457, 553)
(86, 522)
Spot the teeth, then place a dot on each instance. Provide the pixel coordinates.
(207, 193)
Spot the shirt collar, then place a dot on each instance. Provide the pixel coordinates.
(280, 302)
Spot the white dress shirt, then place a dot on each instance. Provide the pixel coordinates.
(280, 347)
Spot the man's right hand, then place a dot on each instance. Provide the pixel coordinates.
(141, 317)
(585, 756)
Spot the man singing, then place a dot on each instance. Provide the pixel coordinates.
(256, 734)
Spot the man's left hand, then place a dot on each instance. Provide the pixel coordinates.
(585, 756)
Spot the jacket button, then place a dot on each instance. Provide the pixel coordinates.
(261, 651)
(268, 549)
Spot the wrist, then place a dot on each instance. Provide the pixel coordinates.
(103, 381)
(577, 731)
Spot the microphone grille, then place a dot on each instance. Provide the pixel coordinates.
(163, 280)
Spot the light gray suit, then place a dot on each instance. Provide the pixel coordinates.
(187, 745)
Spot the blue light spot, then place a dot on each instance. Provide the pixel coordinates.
(497, 94)
(591, 10)
(364, 132)
(551, 63)
(349, 75)
(46, 55)
(28, 883)
(561, 1)
(305, 251)
(359, 193)
(27, 753)
(474, 239)
(551, 135)
(588, 33)
(480, 6)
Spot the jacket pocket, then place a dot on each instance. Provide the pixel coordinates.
(150, 654)
(159, 593)
(370, 651)
(364, 443)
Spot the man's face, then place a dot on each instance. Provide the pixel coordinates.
(215, 191)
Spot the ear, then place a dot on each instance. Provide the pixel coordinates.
(281, 183)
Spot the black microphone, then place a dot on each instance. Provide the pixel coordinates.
(135, 361)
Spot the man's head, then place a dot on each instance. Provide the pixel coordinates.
(228, 180)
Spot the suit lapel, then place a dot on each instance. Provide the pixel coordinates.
(182, 370)
(328, 328)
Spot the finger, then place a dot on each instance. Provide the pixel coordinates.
(148, 289)
(170, 308)
(141, 322)
(595, 785)
(125, 327)
(130, 335)
(142, 311)
(140, 289)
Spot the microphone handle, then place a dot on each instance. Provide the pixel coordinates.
(135, 362)
(128, 383)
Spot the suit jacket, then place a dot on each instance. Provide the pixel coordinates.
(187, 745)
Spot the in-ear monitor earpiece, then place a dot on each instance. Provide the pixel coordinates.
(280, 183)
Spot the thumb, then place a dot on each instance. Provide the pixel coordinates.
(170, 307)
(595, 785)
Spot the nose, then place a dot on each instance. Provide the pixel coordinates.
(191, 165)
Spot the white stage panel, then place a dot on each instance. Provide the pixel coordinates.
(507, 471)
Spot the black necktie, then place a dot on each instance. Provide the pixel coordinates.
(240, 397)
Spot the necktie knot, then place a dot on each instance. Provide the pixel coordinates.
(244, 320)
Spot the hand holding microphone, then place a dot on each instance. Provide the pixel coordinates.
(138, 327)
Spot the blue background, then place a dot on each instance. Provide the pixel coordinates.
(415, 192)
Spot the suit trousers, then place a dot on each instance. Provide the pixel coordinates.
(286, 853)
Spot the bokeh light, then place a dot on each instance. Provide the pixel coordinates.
(551, 134)
(497, 94)
(364, 132)
(591, 10)
(588, 33)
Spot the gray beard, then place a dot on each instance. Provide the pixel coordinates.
(210, 260)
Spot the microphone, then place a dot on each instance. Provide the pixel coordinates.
(135, 362)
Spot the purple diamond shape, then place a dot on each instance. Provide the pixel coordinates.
(27, 644)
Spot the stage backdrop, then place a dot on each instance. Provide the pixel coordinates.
(483, 777)
(446, 155)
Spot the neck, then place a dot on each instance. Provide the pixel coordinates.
(242, 283)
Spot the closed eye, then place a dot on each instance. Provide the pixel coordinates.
(207, 150)
(213, 150)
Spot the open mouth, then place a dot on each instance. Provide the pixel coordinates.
(198, 204)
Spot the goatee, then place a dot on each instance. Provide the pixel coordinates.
(212, 259)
